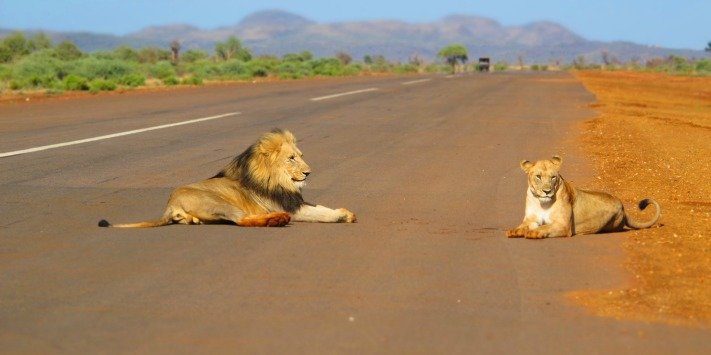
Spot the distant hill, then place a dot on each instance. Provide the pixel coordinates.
(279, 32)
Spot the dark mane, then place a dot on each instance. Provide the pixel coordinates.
(238, 169)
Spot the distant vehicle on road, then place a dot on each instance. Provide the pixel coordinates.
(484, 64)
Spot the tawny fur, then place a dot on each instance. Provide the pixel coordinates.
(554, 208)
(260, 187)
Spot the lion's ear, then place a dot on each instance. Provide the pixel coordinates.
(269, 146)
(557, 160)
(289, 137)
(526, 165)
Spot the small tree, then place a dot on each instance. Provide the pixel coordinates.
(232, 49)
(175, 49)
(67, 50)
(453, 54)
(344, 57)
(39, 41)
(708, 47)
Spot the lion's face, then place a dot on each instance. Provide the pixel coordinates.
(292, 163)
(277, 163)
(543, 177)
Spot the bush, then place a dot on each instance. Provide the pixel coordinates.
(170, 81)
(94, 68)
(67, 51)
(703, 66)
(162, 70)
(101, 85)
(193, 55)
(235, 69)
(133, 80)
(292, 70)
(405, 69)
(501, 66)
(194, 80)
(75, 82)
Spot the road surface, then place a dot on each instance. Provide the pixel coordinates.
(429, 164)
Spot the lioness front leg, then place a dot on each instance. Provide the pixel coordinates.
(318, 213)
(518, 232)
(549, 231)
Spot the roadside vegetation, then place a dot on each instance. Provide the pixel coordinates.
(35, 63)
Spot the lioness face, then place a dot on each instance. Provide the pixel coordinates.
(543, 177)
(293, 164)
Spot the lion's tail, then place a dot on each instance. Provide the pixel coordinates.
(642, 205)
(147, 224)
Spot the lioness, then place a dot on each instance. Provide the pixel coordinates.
(554, 208)
(260, 187)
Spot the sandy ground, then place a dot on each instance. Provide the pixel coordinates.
(653, 139)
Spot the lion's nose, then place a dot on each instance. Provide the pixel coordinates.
(306, 173)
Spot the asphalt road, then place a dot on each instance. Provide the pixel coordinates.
(429, 164)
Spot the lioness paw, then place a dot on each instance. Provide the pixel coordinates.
(535, 234)
(515, 233)
(346, 216)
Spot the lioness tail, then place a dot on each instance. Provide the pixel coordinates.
(146, 224)
(642, 205)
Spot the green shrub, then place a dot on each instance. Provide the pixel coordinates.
(703, 66)
(193, 55)
(133, 80)
(102, 85)
(162, 70)
(5, 72)
(405, 69)
(75, 82)
(501, 66)
(170, 81)
(235, 69)
(67, 50)
(126, 53)
(193, 80)
(94, 68)
(293, 70)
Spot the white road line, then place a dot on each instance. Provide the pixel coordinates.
(342, 94)
(416, 81)
(114, 135)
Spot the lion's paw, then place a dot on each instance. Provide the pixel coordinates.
(346, 216)
(278, 219)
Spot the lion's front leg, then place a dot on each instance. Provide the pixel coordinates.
(318, 213)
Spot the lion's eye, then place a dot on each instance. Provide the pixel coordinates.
(554, 178)
(292, 157)
(538, 177)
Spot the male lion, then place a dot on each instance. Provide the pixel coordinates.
(260, 187)
(554, 208)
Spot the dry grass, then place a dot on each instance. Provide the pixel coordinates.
(653, 139)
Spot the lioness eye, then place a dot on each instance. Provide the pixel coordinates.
(292, 157)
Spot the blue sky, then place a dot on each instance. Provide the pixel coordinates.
(673, 24)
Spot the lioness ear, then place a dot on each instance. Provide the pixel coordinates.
(557, 160)
(525, 165)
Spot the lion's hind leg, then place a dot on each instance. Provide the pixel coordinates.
(274, 219)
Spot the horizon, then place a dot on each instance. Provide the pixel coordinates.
(685, 27)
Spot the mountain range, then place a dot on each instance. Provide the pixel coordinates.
(278, 32)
